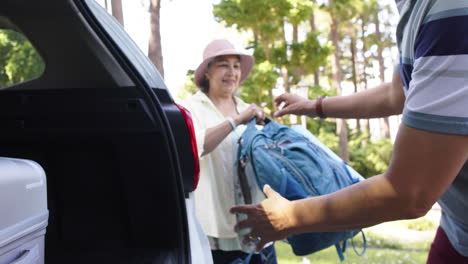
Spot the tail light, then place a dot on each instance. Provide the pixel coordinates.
(193, 141)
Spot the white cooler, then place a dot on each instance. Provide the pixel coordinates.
(23, 211)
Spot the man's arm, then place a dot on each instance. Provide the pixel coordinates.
(384, 100)
(423, 166)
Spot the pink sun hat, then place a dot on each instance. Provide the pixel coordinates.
(221, 47)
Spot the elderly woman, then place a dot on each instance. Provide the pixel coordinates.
(219, 117)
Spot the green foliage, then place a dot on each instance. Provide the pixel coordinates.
(316, 91)
(344, 10)
(19, 61)
(369, 157)
(279, 55)
(257, 15)
(307, 56)
(189, 88)
(257, 87)
(266, 21)
(300, 10)
(328, 137)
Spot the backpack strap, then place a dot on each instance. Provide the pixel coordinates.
(244, 261)
(244, 184)
(267, 255)
(340, 249)
(364, 244)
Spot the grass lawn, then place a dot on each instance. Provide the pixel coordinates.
(399, 242)
(372, 255)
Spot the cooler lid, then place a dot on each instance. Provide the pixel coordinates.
(23, 192)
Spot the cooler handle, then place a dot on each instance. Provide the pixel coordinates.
(29, 256)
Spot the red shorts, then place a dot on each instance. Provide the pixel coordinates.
(442, 252)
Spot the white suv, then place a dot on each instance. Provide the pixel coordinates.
(119, 155)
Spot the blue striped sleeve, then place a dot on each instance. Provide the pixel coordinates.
(442, 37)
(406, 70)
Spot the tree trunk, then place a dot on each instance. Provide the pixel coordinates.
(117, 11)
(365, 122)
(295, 33)
(341, 129)
(355, 71)
(255, 34)
(154, 47)
(284, 70)
(313, 28)
(378, 35)
(285, 75)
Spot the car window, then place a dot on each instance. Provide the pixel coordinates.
(127, 45)
(19, 60)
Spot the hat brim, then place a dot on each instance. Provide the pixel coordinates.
(246, 64)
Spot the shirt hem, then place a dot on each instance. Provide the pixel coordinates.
(436, 123)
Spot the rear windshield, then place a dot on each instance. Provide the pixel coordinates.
(127, 45)
(19, 60)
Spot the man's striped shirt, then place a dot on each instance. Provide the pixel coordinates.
(433, 41)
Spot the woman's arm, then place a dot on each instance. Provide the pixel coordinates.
(215, 135)
(384, 100)
(423, 166)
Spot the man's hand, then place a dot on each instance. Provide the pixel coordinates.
(294, 104)
(270, 221)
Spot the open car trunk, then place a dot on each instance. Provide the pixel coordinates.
(107, 134)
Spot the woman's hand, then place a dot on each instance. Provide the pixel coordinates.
(295, 104)
(252, 111)
(270, 221)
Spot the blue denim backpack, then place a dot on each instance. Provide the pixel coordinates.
(297, 165)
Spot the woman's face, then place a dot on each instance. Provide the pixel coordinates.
(224, 74)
